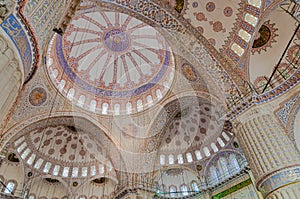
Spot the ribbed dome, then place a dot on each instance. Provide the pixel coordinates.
(111, 63)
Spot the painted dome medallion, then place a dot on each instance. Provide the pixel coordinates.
(110, 63)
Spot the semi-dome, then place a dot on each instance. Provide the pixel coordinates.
(111, 63)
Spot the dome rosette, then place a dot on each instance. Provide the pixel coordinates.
(111, 63)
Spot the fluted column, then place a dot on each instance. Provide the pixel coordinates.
(272, 157)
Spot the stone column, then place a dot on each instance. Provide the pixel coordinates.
(272, 157)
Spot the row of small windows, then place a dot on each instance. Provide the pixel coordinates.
(105, 106)
(29, 158)
(80, 197)
(252, 20)
(183, 190)
(33, 197)
(225, 167)
(93, 197)
(198, 155)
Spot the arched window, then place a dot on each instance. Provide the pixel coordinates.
(195, 186)
(220, 172)
(22, 147)
(10, 187)
(225, 136)
(173, 191)
(184, 190)
(213, 175)
(198, 155)
(237, 49)
(25, 153)
(224, 166)
(214, 147)
(255, 3)
(101, 168)
(31, 197)
(31, 159)
(38, 163)
(93, 105)
(166, 85)
(75, 172)
(149, 100)
(93, 170)
(139, 105)
(251, 19)
(180, 159)
(47, 167)
(61, 85)
(81, 100)
(56, 170)
(189, 157)
(171, 159)
(206, 151)
(233, 161)
(158, 94)
(84, 171)
(221, 142)
(54, 73)
(109, 166)
(19, 141)
(65, 172)
(245, 35)
(128, 108)
(71, 94)
(82, 197)
(104, 108)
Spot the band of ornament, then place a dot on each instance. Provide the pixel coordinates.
(233, 189)
(280, 179)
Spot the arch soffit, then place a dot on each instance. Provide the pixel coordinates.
(188, 169)
(189, 45)
(25, 125)
(217, 155)
(197, 95)
(155, 128)
(65, 185)
(85, 183)
(21, 165)
(6, 44)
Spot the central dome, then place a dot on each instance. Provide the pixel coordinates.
(111, 63)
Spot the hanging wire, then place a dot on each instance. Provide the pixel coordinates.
(50, 113)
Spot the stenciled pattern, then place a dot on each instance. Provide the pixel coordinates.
(43, 16)
(284, 113)
(63, 148)
(265, 37)
(111, 63)
(37, 96)
(279, 179)
(19, 37)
